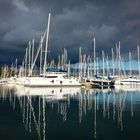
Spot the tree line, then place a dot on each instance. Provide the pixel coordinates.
(6, 72)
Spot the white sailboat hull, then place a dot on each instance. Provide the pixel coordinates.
(53, 82)
(128, 81)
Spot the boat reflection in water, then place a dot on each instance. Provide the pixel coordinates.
(57, 112)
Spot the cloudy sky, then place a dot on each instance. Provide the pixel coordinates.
(74, 23)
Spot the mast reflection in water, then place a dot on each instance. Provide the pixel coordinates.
(69, 113)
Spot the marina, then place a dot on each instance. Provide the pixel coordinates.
(69, 70)
(90, 72)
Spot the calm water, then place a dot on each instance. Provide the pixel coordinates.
(69, 113)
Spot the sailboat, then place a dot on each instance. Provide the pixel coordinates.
(50, 77)
(98, 81)
(130, 80)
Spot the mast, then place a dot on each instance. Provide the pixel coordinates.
(138, 49)
(40, 47)
(97, 65)
(113, 61)
(94, 58)
(62, 61)
(107, 65)
(84, 61)
(59, 63)
(88, 62)
(47, 40)
(29, 53)
(119, 58)
(130, 63)
(26, 59)
(22, 67)
(90, 67)
(80, 63)
(16, 67)
(103, 63)
(65, 58)
(32, 53)
(41, 55)
(69, 69)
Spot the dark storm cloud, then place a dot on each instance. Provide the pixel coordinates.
(74, 23)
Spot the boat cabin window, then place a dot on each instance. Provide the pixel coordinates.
(51, 76)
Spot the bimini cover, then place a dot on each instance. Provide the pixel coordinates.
(55, 70)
